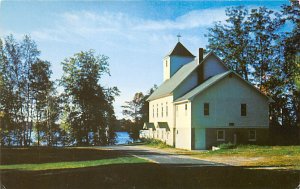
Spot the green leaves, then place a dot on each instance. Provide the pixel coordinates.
(257, 45)
(88, 105)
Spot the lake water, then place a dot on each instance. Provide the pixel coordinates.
(123, 138)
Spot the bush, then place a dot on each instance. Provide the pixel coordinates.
(155, 143)
(227, 146)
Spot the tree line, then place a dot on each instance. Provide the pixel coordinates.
(259, 45)
(33, 112)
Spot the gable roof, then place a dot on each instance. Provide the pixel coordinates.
(180, 50)
(211, 81)
(203, 86)
(171, 84)
(211, 53)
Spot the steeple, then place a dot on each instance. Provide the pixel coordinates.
(178, 57)
(180, 50)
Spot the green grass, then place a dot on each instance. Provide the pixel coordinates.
(287, 157)
(45, 158)
(48, 168)
(76, 164)
(255, 156)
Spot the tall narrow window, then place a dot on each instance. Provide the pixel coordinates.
(243, 109)
(185, 108)
(206, 109)
(156, 110)
(166, 63)
(166, 109)
(153, 111)
(162, 110)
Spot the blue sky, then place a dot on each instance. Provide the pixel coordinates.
(135, 35)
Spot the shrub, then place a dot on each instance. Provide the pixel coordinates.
(227, 146)
(156, 143)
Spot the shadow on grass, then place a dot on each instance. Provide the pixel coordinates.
(148, 175)
(48, 155)
(131, 175)
(41, 155)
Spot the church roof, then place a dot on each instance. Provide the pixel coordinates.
(171, 84)
(203, 86)
(211, 81)
(180, 50)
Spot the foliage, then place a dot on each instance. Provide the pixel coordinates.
(138, 111)
(227, 146)
(25, 92)
(31, 107)
(256, 44)
(88, 105)
(155, 143)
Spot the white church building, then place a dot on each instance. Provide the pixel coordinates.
(201, 103)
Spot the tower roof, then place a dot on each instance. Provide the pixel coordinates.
(180, 50)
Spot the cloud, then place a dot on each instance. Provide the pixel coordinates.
(135, 45)
(87, 24)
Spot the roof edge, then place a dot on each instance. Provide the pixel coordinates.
(228, 72)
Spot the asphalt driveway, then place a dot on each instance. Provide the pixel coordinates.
(162, 157)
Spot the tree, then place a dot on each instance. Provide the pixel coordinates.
(291, 14)
(24, 90)
(41, 87)
(88, 105)
(12, 89)
(30, 55)
(138, 111)
(253, 44)
(230, 40)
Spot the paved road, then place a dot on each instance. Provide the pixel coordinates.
(161, 157)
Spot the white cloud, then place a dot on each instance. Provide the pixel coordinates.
(85, 24)
(134, 45)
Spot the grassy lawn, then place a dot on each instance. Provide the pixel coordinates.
(287, 157)
(257, 156)
(73, 164)
(75, 168)
(36, 159)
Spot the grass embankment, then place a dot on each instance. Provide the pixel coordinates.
(37, 159)
(252, 156)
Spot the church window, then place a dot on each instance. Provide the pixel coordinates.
(166, 109)
(162, 110)
(252, 135)
(153, 111)
(166, 63)
(243, 109)
(206, 109)
(220, 135)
